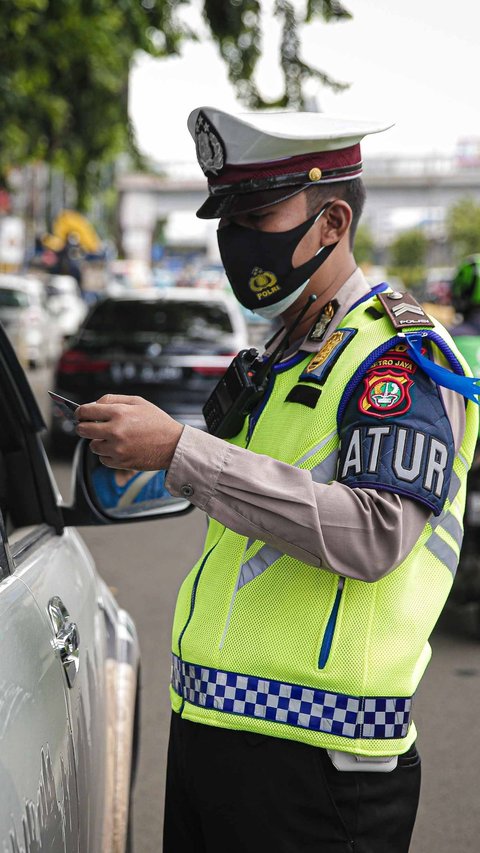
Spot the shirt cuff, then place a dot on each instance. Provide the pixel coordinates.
(197, 463)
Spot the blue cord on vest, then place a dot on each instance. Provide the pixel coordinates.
(465, 385)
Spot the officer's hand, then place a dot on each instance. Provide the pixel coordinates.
(129, 432)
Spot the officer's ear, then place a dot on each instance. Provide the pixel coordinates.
(335, 222)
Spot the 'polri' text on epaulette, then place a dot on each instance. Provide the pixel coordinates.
(403, 310)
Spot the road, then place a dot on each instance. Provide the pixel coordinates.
(144, 563)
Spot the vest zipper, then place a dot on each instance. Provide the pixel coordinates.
(192, 608)
(331, 624)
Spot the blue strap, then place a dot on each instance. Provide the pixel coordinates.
(465, 385)
(379, 288)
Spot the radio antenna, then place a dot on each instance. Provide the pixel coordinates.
(282, 345)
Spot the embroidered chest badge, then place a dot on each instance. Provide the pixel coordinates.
(322, 362)
(326, 351)
(387, 385)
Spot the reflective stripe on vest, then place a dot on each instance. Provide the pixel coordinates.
(447, 522)
(280, 702)
(324, 472)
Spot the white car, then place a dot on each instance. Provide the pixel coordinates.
(24, 316)
(65, 304)
(69, 656)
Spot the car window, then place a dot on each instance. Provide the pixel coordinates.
(13, 299)
(194, 320)
(20, 468)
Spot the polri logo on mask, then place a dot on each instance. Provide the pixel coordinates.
(273, 251)
(263, 283)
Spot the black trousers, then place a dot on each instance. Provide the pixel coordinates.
(236, 792)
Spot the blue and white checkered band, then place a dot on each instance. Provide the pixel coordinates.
(209, 145)
(279, 702)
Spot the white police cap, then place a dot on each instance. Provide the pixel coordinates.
(255, 159)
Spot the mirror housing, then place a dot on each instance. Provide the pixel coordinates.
(86, 509)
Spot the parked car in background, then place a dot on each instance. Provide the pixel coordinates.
(210, 276)
(163, 277)
(128, 275)
(65, 304)
(170, 346)
(27, 321)
(69, 655)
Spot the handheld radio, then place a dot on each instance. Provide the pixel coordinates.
(243, 385)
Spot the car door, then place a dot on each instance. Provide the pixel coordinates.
(38, 803)
(52, 648)
(59, 573)
(69, 655)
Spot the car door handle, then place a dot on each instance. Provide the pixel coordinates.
(66, 639)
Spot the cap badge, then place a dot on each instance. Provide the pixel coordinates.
(209, 145)
(263, 283)
(315, 174)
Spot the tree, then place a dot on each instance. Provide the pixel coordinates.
(364, 247)
(463, 227)
(408, 254)
(65, 67)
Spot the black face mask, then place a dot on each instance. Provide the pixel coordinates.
(258, 264)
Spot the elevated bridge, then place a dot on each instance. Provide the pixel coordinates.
(401, 192)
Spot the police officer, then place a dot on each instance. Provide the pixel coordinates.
(301, 634)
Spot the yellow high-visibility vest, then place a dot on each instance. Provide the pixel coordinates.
(267, 643)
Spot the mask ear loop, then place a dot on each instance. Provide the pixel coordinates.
(327, 249)
(321, 212)
(323, 209)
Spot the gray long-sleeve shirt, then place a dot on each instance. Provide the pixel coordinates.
(358, 533)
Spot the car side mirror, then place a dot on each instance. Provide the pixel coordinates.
(105, 496)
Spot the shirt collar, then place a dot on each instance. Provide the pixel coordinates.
(350, 292)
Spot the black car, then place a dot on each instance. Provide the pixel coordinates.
(169, 347)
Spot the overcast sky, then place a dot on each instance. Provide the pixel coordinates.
(414, 61)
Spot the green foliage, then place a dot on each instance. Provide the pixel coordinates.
(236, 27)
(463, 228)
(412, 278)
(364, 246)
(408, 254)
(327, 9)
(409, 249)
(65, 65)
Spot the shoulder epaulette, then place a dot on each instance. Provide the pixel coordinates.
(404, 311)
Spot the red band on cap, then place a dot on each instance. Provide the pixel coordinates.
(324, 160)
